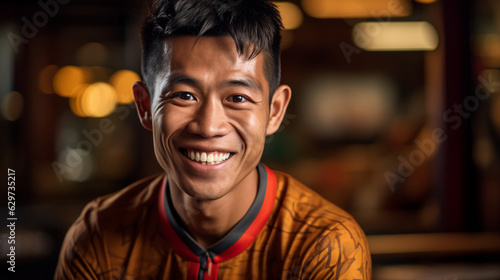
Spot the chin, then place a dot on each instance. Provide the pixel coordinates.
(204, 190)
(206, 194)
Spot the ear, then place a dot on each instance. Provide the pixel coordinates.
(277, 110)
(143, 104)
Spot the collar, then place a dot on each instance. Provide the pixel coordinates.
(239, 238)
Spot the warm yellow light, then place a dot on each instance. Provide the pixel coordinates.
(383, 9)
(45, 79)
(98, 100)
(75, 103)
(123, 81)
(426, 1)
(67, 78)
(395, 36)
(290, 14)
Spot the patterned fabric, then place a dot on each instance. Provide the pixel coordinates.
(289, 232)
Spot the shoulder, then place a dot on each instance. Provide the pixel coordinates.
(126, 204)
(140, 192)
(106, 223)
(324, 240)
(304, 203)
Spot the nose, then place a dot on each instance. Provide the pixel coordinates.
(209, 120)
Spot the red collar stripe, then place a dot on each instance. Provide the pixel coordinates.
(193, 269)
(260, 221)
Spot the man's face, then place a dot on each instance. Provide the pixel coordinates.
(210, 115)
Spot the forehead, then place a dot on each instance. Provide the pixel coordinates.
(185, 47)
(214, 56)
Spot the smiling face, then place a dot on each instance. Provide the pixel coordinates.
(210, 114)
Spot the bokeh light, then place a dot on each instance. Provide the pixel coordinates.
(291, 15)
(354, 107)
(395, 36)
(123, 81)
(356, 8)
(98, 100)
(12, 106)
(75, 103)
(68, 78)
(78, 172)
(425, 1)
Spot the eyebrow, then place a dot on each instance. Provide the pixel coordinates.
(242, 82)
(182, 79)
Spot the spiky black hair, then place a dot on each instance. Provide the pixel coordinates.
(254, 25)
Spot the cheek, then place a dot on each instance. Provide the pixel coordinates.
(163, 128)
(251, 127)
(167, 121)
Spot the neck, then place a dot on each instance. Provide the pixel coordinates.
(208, 221)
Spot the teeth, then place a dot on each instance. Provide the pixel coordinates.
(207, 159)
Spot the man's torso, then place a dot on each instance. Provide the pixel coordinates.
(129, 235)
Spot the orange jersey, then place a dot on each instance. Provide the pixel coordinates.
(289, 232)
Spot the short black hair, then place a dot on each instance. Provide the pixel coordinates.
(254, 25)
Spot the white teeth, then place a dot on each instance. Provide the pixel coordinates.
(208, 159)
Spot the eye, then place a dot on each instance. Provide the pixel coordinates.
(237, 98)
(183, 96)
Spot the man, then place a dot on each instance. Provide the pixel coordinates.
(210, 96)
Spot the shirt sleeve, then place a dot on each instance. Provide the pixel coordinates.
(340, 253)
(78, 258)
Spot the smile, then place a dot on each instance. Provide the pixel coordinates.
(210, 158)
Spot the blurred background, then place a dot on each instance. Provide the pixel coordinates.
(395, 117)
